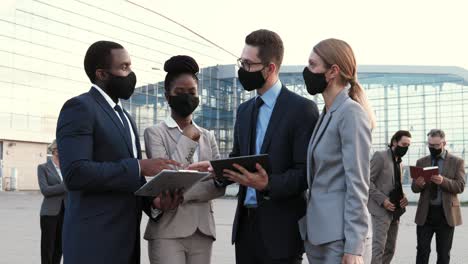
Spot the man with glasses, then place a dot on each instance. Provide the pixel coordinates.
(438, 208)
(279, 123)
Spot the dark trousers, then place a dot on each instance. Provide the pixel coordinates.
(51, 238)
(435, 223)
(250, 247)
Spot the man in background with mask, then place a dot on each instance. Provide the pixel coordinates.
(438, 207)
(387, 201)
(100, 158)
(279, 123)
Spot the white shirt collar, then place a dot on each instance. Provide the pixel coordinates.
(107, 97)
(171, 123)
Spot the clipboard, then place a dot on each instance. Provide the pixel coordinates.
(171, 180)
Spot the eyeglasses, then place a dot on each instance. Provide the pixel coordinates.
(435, 145)
(246, 65)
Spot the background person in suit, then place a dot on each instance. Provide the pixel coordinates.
(438, 207)
(100, 157)
(387, 202)
(52, 208)
(279, 123)
(185, 234)
(336, 228)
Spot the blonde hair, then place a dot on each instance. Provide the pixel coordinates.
(338, 52)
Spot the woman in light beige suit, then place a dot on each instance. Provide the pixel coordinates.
(186, 234)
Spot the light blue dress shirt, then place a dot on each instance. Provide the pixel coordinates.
(263, 119)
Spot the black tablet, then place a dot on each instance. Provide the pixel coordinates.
(248, 162)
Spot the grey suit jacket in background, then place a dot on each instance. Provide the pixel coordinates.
(382, 182)
(52, 187)
(338, 177)
(196, 211)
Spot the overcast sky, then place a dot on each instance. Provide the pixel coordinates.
(397, 32)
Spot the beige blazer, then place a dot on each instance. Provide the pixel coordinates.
(382, 182)
(196, 211)
(453, 184)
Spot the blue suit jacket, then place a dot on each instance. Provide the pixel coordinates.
(288, 133)
(102, 216)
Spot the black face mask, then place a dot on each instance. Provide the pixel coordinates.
(435, 152)
(183, 104)
(251, 80)
(315, 82)
(121, 86)
(400, 151)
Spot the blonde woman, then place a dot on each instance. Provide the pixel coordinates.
(337, 227)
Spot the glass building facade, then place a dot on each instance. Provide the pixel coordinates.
(403, 97)
(42, 48)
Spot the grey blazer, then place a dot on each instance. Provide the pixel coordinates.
(52, 187)
(196, 211)
(338, 177)
(382, 182)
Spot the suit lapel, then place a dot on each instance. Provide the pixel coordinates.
(319, 121)
(113, 116)
(278, 112)
(53, 170)
(339, 100)
(391, 166)
(316, 136)
(446, 165)
(320, 129)
(174, 133)
(427, 162)
(202, 144)
(135, 132)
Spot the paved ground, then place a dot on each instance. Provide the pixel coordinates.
(20, 236)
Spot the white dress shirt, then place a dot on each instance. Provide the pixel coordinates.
(112, 104)
(58, 170)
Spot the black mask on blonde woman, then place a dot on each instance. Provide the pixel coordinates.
(315, 82)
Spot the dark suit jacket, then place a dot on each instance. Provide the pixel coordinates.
(52, 188)
(453, 172)
(286, 140)
(102, 219)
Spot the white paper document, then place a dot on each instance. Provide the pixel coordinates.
(171, 180)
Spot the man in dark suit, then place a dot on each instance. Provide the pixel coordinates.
(280, 123)
(101, 163)
(52, 208)
(438, 207)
